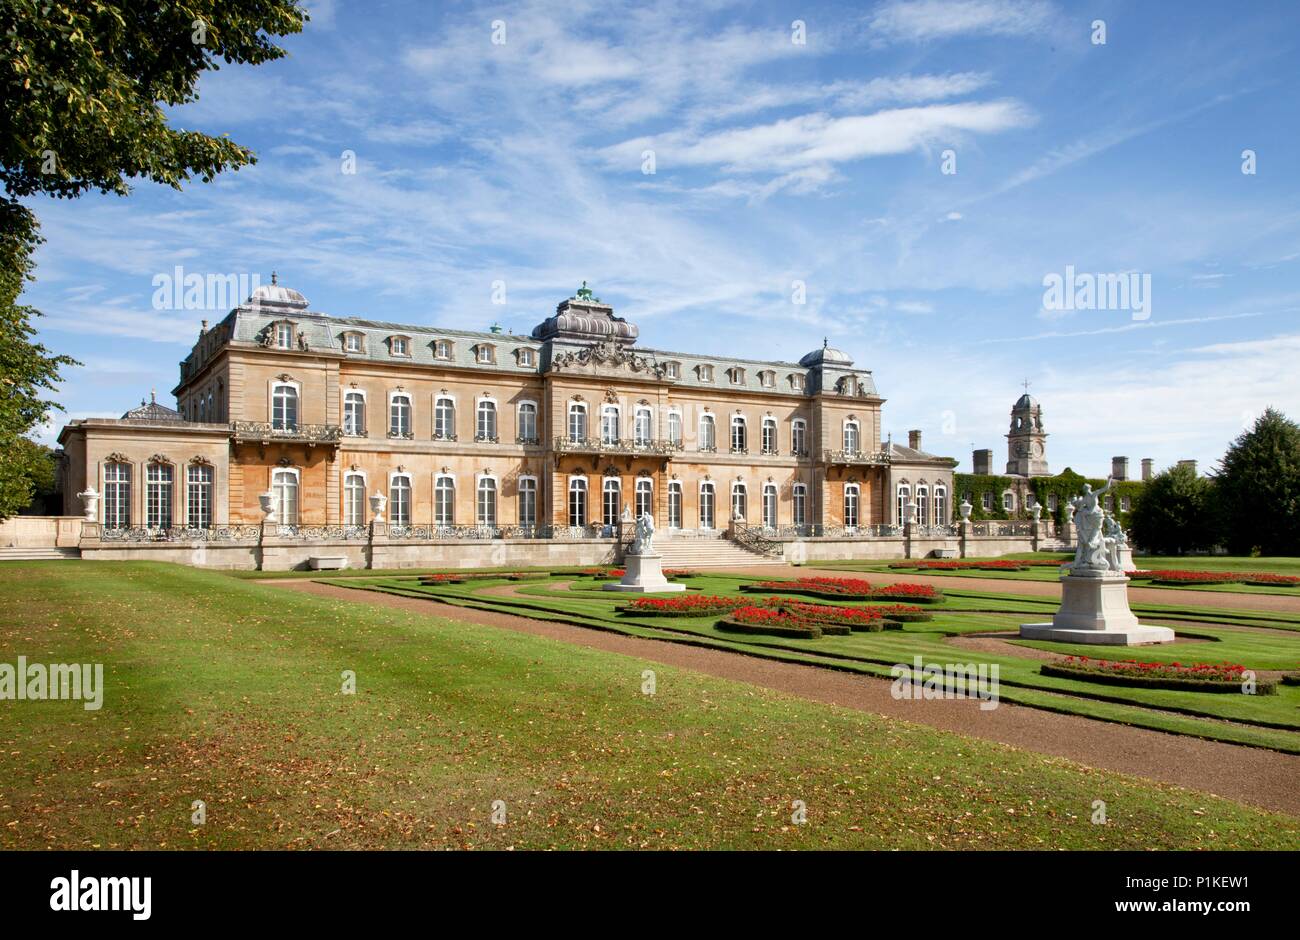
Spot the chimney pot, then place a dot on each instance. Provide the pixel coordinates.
(1119, 468)
(1148, 468)
(914, 440)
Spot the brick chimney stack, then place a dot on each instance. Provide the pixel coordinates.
(982, 461)
(914, 439)
(1119, 468)
(1188, 463)
(1148, 468)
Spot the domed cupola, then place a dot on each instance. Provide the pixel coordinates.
(828, 355)
(584, 318)
(275, 296)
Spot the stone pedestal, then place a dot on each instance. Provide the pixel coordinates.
(1094, 609)
(1126, 562)
(644, 574)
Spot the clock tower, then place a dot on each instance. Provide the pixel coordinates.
(1027, 441)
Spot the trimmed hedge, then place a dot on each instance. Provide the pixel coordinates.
(804, 631)
(1062, 671)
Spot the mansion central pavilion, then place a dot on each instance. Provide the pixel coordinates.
(332, 421)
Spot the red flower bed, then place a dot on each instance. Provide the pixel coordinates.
(684, 605)
(903, 613)
(766, 620)
(1177, 576)
(924, 593)
(1267, 577)
(859, 618)
(680, 573)
(1182, 677)
(1217, 672)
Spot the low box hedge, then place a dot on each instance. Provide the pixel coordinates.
(800, 631)
(1169, 683)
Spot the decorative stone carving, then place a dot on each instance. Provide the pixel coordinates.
(90, 503)
(643, 543)
(965, 508)
(377, 504)
(606, 355)
(267, 502)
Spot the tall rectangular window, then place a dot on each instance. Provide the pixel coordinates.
(444, 501)
(612, 492)
(708, 433)
(444, 420)
(644, 498)
(739, 437)
(674, 505)
(852, 440)
(707, 495)
(354, 500)
(284, 408)
(609, 424)
(799, 505)
(158, 496)
(769, 436)
(198, 496)
(528, 502)
(851, 506)
(399, 501)
(399, 416)
(674, 428)
(354, 413)
(577, 423)
(799, 438)
(528, 423)
(487, 422)
(284, 491)
(117, 495)
(487, 501)
(769, 506)
(577, 502)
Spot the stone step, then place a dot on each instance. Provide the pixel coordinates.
(39, 554)
(710, 553)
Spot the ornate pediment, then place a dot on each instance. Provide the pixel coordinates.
(605, 357)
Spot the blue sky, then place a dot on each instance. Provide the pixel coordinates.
(775, 162)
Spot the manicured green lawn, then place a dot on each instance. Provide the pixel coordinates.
(1290, 566)
(228, 692)
(1263, 720)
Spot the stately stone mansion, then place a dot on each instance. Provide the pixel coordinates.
(293, 425)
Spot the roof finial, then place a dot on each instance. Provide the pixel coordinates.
(826, 342)
(584, 292)
(1025, 383)
(274, 279)
(153, 396)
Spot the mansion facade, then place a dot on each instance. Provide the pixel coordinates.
(290, 415)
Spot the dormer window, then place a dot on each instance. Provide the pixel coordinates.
(442, 349)
(736, 376)
(767, 379)
(399, 346)
(352, 342)
(525, 357)
(673, 370)
(284, 335)
(706, 373)
(796, 383)
(485, 353)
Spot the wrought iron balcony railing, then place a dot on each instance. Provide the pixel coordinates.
(267, 431)
(621, 446)
(856, 458)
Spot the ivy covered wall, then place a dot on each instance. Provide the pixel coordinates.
(1064, 486)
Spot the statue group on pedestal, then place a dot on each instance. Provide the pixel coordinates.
(1100, 538)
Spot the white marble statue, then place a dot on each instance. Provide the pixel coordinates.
(1090, 551)
(644, 541)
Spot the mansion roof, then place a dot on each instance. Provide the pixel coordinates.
(581, 323)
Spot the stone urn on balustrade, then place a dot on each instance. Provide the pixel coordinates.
(378, 502)
(267, 502)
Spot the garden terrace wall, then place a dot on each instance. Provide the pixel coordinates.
(832, 548)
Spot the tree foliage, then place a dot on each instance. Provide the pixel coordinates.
(83, 87)
(1258, 488)
(1176, 513)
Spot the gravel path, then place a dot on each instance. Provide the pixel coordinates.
(1250, 775)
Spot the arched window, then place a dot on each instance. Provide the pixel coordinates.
(769, 505)
(354, 499)
(708, 433)
(643, 497)
(527, 502)
(444, 419)
(799, 437)
(486, 428)
(284, 408)
(577, 422)
(922, 504)
(707, 496)
(577, 502)
(799, 504)
(609, 424)
(642, 428)
(739, 501)
(769, 435)
(354, 414)
(444, 501)
(486, 503)
(852, 437)
(198, 496)
(675, 505)
(117, 496)
(611, 498)
(399, 501)
(852, 499)
(940, 504)
(904, 497)
(399, 415)
(284, 491)
(739, 435)
(158, 496)
(527, 419)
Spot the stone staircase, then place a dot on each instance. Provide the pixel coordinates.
(39, 554)
(688, 552)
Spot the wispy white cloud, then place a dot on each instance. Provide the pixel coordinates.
(921, 20)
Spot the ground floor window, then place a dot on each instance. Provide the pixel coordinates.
(922, 505)
(577, 502)
(612, 496)
(674, 505)
(487, 501)
(354, 500)
(399, 501)
(904, 498)
(198, 496)
(117, 495)
(158, 496)
(644, 502)
(739, 501)
(284, 492)
(528, 502)
(852, 495)
(444, 501)
(707, 495)
(941, 505)
(769, 506)
(800, 504)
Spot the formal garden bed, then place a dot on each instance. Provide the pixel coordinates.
(461, 577)
(850, 589)
(770, 621)
(1177, 577)
(1192, 677)
(684, 605)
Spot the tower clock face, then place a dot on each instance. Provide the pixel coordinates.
(1038, 449)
